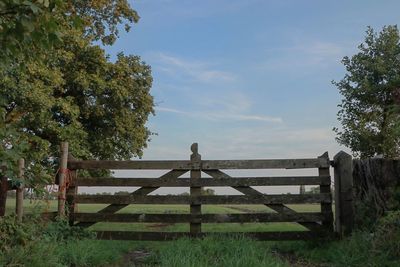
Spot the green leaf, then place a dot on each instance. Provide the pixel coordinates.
(35, 9)
(28, 25)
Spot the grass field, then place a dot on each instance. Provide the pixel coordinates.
(214, 250)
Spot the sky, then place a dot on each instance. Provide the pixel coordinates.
(248, 79)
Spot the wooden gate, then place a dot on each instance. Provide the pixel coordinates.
(317, 224)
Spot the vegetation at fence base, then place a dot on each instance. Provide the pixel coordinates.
(362, 248)
(215, 251)
(376, 189)
(39, 243)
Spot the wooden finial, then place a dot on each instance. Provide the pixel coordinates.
(195, 148)
(195, 157)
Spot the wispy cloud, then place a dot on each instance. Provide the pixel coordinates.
(171, 110)
(189, 69)
(304, 55)
(221, 115)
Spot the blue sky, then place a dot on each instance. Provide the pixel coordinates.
(248, 79)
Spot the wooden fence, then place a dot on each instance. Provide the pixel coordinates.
(316, 224)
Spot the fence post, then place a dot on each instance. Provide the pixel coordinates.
(72, 190)
(195, 173)
(3, 190)
(19, 200)
(344, 206)
(62, 179)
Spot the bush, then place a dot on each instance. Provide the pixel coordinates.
(36, 242)
(387, 235)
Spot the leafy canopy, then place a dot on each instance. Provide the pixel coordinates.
(73, 92)
(370, 112)
(39, 24)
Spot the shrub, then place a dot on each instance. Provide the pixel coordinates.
(36, 242)
(387, 235)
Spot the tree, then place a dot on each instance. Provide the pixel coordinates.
(370, 114)
(78, 95)
(73, 92)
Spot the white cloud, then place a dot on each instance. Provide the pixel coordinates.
(189, 70)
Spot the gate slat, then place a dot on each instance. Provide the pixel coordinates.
(204, 218)
(186, 182)
(164, 236)
(197, 200)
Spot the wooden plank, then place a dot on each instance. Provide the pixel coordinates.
(204, 218)
(186, 182)
(280, 208)
(205, 164)
(195, 191)
(263, 164)
(3, 191)
(71, 193)
(164, 236)
(130, 164)
(62, 173)
(326, 189)
(171, 175)
(198, 200)
(19, 200)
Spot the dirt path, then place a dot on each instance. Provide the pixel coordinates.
(135, 258)
(296, 261)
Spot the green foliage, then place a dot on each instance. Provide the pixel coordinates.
(60, 230)
(371, 89)
(27, 24)
(89, 252)
(366, 214)
(78, 96)
(38, 25)
(71, 91)
(377, 246)
(354, 251)
(100, 18)
(387, 235)
(39, 243)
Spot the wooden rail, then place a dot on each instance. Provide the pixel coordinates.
(204, 218)
(205, 164)
(207, 200)
(186, 182)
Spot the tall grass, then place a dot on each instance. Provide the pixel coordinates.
(215, 251)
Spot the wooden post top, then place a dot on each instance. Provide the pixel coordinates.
(195, 156)
(341, 154)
